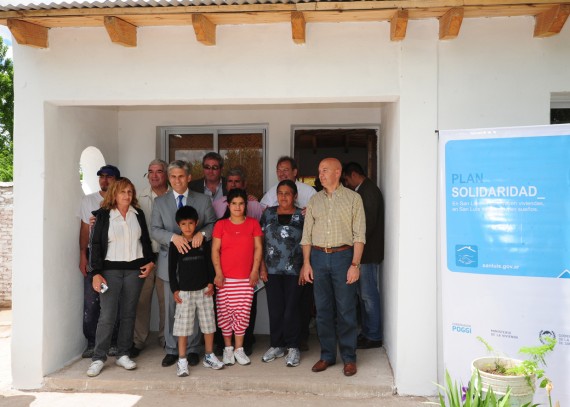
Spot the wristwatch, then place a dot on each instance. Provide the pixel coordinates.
(203, 233)
(357, 265)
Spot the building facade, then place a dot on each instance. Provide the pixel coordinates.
(83, 90)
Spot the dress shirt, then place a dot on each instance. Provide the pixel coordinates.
(185, 195)
(335, 219)
(214, 196)
(146, 202)
(124, 236)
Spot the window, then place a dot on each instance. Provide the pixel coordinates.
(241, 146)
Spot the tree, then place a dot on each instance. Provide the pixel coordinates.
(6, 114)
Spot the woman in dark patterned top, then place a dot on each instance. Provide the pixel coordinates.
(282, 261)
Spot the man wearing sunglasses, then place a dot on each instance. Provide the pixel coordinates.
(212, 184)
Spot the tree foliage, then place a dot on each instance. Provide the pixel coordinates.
(6, 114)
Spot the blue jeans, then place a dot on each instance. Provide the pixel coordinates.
(370, 302)
(124, 290)
(336, 305)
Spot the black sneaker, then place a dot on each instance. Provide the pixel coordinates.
(88, 352)
(193, 359)
(169, 360)
(134, 352)
(365, 343)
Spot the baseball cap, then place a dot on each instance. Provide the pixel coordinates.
(109, 170)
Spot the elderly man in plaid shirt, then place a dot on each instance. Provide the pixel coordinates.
(333, 241)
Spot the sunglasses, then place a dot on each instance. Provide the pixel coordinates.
(211, 167)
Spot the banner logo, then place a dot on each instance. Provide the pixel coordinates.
(466, 255)
(461, 328)
(546, 334)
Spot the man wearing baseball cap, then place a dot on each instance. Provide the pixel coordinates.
(107, 175)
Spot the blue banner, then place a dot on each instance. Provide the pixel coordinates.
(507, 203)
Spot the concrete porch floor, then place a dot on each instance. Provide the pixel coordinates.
(150, 385)
(374, 378)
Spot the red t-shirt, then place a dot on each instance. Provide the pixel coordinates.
(236, 252)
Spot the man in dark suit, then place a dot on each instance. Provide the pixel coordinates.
(212, 184)
(370, 309)
(164, 230)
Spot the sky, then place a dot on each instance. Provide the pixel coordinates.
(7, 37)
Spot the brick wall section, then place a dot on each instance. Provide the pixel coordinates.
(6, 210)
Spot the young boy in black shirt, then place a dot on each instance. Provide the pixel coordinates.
(192, 283)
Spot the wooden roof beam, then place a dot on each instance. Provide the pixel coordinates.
(450, 23)
(551, 22)
(121, 32)
(399, 25)
(205, 29)
(298, 27)
(30, 34)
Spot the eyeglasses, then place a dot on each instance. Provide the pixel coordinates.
(211, 167)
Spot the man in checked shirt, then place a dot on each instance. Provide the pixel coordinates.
(333, 241)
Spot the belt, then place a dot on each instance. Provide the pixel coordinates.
(329, 250)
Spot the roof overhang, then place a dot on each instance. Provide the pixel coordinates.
(30, 22)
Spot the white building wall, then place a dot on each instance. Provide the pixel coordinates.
(415, 331)
(68, 131)
(496, 74)
(493, 74)
(390, 187)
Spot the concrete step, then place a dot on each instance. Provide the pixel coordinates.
(374, 378)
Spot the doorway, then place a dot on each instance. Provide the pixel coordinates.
(311, 145)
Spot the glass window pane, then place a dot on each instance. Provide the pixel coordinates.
(191, 148)
(244, 151)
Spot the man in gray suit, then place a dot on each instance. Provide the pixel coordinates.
(164, 230)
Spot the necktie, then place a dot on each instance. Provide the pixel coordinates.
(180, 204)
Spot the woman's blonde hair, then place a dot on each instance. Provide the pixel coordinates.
(110, 200)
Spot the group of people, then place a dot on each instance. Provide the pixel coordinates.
(205, 245)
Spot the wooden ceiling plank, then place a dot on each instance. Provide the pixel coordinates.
(399, 25)
(450, 23)
(28, 34)
(551, 22)
(120, 31)
(298, 27)
(205, 29)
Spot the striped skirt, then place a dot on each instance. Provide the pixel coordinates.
(233, 303)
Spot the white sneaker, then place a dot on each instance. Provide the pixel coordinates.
(182, 368)
(126, 362)
(293, 357)
(95, 368)
(272, 354)
(229, 358)
(210, 360)
(241, 357)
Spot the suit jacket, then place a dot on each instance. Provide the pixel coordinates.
(374, 211)
(163, 223)
(198, 186)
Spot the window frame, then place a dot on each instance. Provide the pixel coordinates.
(164, 133)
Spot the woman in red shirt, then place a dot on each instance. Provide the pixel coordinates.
(236, 255)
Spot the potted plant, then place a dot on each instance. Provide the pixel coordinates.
(472, 395)
(503, 373)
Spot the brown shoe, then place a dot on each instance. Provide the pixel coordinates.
(321, 365)
(349, 369)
